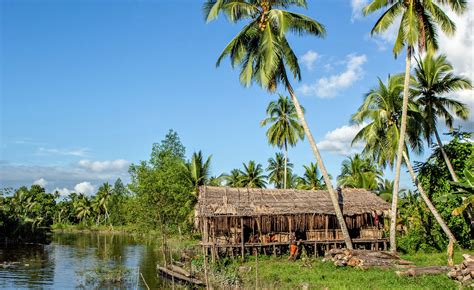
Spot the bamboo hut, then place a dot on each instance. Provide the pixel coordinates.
(235, 220)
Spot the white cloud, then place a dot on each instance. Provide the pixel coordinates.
(62, 191)
(62, 176)
(357, 6)
(101, 166)
(339, 140)
(328, 87)
(309, 58)
(81, 152)
(84, 187)
(460, 52)
(41, 182)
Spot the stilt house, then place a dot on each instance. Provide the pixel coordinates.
(235, 220)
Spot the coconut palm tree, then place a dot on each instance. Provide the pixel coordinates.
(285, 128)
(434, 79)
(277, 169)
(83, 207)
(252, 176)
(233, 179)
(380, 116)
(311, 179)
(264, 54)
(101, 201)
(359, 172)
(418, 28)
(382, 107)
(198, 170)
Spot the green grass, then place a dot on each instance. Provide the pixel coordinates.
(279, 273)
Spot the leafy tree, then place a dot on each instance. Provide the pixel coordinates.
(435, 178)
(252, 176)
(277, 168)
(198, 171)
(435, 78)
(263, 52)
(285, 128)
(163, 193)
(359, 172)
(418, 27)
(466, 190)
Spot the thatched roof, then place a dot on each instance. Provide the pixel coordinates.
(254, 201)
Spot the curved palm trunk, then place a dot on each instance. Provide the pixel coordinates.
(286, 166)
(401, 143)
(332, 193)
(445, 156)
(433, 210)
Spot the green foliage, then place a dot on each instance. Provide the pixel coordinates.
(198, 171)
(276, 170)
(434, 78)
(435, 179)
(311, 179)
(163, 193)
(252, 176)
(261, 48)
(419, 21)
(27, 214)
(359, 172)
(466, 190)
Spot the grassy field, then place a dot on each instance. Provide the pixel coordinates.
(279, 273)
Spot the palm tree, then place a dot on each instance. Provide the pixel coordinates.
(417, 27)
(252, 176)
(359, 172)
(198, 170)
(216, 180)
(263, 52)
(285, 128)
(101, 200)
(83, 207)
(435, 78)
(385, 189)
(382, 106)
(233, 179)
(311, 179)
(278, 172)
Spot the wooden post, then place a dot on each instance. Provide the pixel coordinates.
(242, 237)
(315, 249)
(326, 226)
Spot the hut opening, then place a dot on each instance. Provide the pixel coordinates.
(234, 221)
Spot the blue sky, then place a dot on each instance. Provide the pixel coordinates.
(88, 86)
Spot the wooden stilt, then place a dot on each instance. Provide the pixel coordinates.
(242, 237)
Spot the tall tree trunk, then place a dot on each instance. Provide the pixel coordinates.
(433, 210)
(445, 156)
(332, 193)
(401, 145)
(286, 166)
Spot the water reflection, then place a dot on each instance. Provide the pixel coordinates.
(62, 264)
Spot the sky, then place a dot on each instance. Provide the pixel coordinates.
(86, 87)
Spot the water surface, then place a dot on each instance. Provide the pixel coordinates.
(65, 262)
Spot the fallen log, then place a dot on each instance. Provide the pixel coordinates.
(418, 271)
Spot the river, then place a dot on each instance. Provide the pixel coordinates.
(71, 259)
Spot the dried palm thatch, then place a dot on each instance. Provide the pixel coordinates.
(248, 202)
